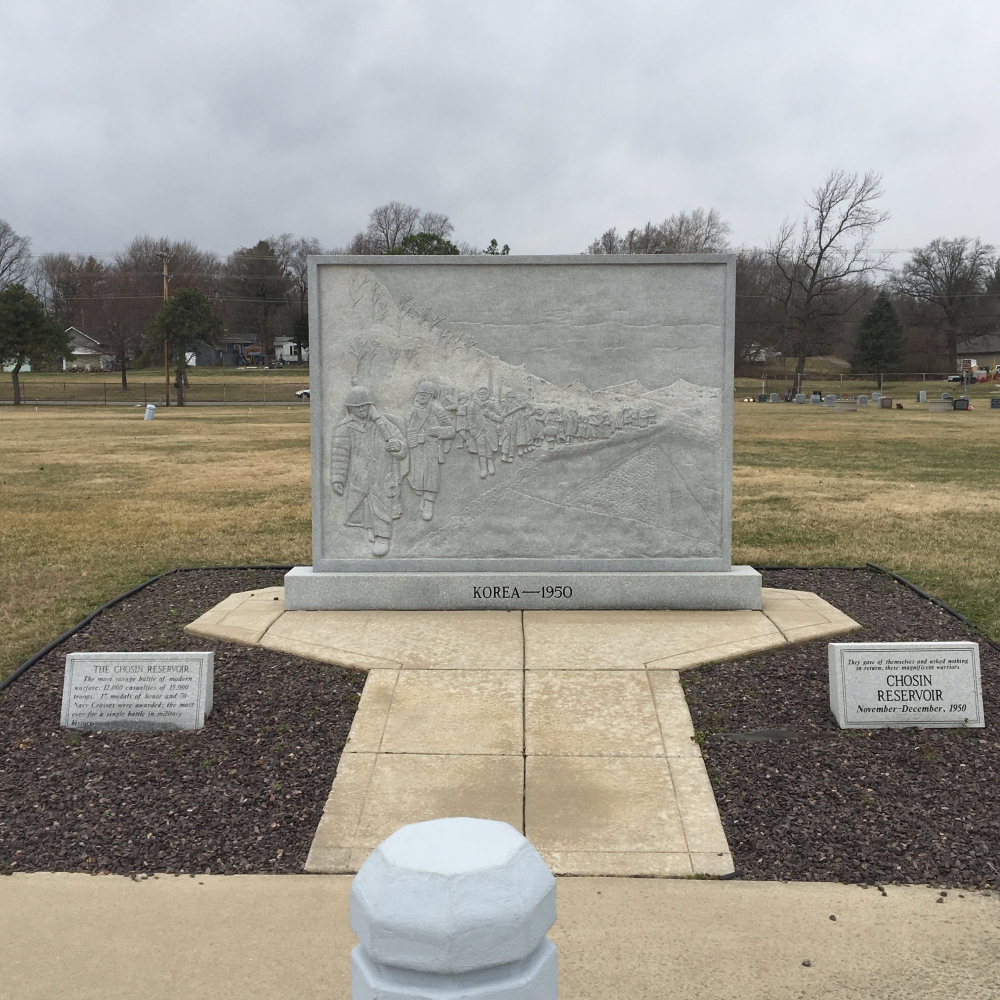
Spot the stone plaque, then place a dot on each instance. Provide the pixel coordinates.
(893, 684)
(137, 692)
(508, 432)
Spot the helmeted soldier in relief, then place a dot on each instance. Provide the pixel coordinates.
(365, 458)
(428, 426)
(484, 420)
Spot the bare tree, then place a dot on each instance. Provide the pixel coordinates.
(951, 276)
(389, 225)
(695, 232)
(120, 319)
(293, 257)
(437, 224)
(15, 256)
(821, 263)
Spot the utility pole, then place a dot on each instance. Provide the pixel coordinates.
(165, 257)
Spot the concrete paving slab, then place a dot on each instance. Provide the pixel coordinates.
(590, 713)
(382, 792)
(287, 937)
(369, 722)
(804, 617)
(673, 714)
(591, 687)
(456, 712)
(631, 640)
(243, 617)
(603, 806)
(411, 640)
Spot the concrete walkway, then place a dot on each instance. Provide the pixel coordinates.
(287, 937)
(569, 725)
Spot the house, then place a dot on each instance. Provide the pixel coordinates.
(238, 351)
(86, 353)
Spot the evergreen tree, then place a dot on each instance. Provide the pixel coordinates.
(879, 346)
(186, 321)
(28, 335)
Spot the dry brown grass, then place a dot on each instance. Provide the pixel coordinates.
(916, 492)
(94, 500)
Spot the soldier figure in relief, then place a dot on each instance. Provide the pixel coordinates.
(428, 426)
(484, 418)
(365, 467)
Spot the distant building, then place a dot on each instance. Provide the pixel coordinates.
(239, 351)
(86, 353)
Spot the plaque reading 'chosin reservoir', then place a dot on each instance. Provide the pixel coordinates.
(894, 684)
(522, 432)
(137, 692)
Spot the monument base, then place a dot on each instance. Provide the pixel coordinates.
(738, 589)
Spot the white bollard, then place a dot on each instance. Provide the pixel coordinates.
(454, 909)
(150, 412)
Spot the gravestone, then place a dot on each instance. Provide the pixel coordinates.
(896, 684)
(995, 403)
(830, 400)
(876, 396)
(940, 406)
(862, 400)
(775, 398)
(137, 692)
(962, 403)
(800, 397)
(816, 399)
(522, 432)
(885, 402)
(946, 395)
(922, 396)
(846, 406)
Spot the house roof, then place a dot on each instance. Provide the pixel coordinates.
(83, 342)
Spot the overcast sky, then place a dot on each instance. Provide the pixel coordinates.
(539, 123)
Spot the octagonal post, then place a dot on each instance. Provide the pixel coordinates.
(454, 908)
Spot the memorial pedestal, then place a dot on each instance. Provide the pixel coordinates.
(738, 589)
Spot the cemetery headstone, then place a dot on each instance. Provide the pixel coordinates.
(816, 399)
(922, 396)
(946, 395)
(896, 684)
(846, 406)
(876, 396)
(862, 400)
(962, 403)
(940, 406)
(995, 403)
(522, 432)
(800, 397)
(885, 402)
(137, 692)
(830, 400)
(762, 398)
(775, 398)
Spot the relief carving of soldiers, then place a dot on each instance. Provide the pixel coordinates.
(427, 428)
(365, 458)
(515, 434)
(484, 420)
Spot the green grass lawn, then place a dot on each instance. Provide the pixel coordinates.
(93, 500)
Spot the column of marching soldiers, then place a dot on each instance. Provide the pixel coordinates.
(373, 452)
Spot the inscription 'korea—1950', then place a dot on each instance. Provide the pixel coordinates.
(513, 593)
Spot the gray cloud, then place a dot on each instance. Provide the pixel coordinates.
(539, 123)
